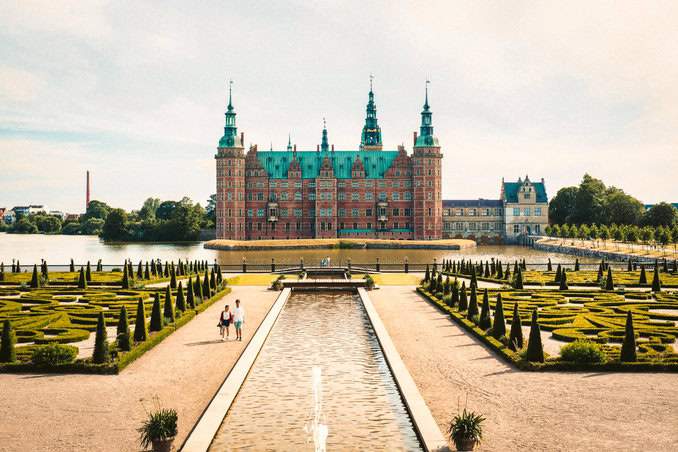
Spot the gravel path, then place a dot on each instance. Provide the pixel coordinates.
(102, 412)
(550, 411)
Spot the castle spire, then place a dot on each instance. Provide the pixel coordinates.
(426, 137)
(371, 136)
(230, 138)
(289, 142)
(324, 144)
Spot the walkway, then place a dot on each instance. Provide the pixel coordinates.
(102, 412)
(526, 411)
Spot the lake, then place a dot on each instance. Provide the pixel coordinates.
(60, 249)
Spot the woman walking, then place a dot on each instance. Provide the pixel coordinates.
(224, 322)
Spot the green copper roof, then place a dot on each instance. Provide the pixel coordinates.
(376, 163)
(426, 137)
(511, 191)
(371, 135)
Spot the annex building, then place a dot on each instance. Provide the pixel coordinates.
(327, 193)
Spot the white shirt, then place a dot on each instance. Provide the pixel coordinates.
(239, 315)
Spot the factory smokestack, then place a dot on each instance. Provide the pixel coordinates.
(87, 193)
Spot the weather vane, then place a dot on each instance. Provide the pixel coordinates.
(371, 78)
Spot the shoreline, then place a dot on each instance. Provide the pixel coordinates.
(544, 245)
(310, 244)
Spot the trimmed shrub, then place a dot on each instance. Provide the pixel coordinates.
(173, 278)
(518, 279)
(125, 279)
(72, 267)
(473, 304)
(643, 276)
(563, 281)
(628, 349)
(549, 266)
(101, 353)
(140, 329)
(582, 351)
(499, 323)
(88, 272)
(190, 295)
(181, 301)
(156, 315)
(576, 265)
(463, 298)
(54, 354)
(609, 282)
(516, 333)
(559, 273)
(8, 344)
(656, 282)
(82, 280)
(485, 322)
(168, 311)
(123, 335)
(535, 349)
(35, 279)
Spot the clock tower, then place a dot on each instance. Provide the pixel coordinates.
(370, 139)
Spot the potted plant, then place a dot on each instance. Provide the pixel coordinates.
(466, 430)
(159, 430)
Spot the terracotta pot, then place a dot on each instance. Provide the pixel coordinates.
(464, 444)
(162, 445)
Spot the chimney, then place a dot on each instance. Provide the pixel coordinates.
(332, 148)
(242, 138)
(317, 148)
(415, 139)
(87, 192)
(295, 148)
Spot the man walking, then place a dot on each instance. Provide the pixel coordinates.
(238, 319)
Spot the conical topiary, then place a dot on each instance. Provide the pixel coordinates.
(609, 282)
(169, 306)
(499, 323)
(576, 265)
(140, 329)
(173, 278)
(123, 336)
(125, 279)
(181, 301)
(518, 279)
(563, 281)
(157, 321)
(427, 274)
(72, 267)
(197, 287)
(559, 274)
(473, 304)
(516, 333)
(535, 349)
(8, 343)
(628, 349)
(147, 272)
(656, 282)
(485, 321)
(101, 353)
(190, 295)
(643, 276)
(549, 266)
(35, 279)
(88, 273)
(82, 279)
(463, 298)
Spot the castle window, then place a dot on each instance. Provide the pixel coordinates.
(297, 196)
(341, 196)
(516, 229)
(354, 212)
(408, 196)
(537, 211)
(260, 212)
(382, 196)
(298, 213)
(527, 211)
(368, 212)
(430, 212)
(369, 225)
(516, 211)
(342, 213)
(408, 212)
(341, 225)
(250, 213)
(395, 196)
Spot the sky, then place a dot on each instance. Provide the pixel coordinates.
(135, 92)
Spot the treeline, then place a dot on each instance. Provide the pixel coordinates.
(157, 221)
(593, 203)
(662, 235)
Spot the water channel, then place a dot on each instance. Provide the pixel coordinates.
(361, 405)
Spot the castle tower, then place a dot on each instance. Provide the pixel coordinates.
(325, 194)
(230, 179)
(370, 139)
(426, 165)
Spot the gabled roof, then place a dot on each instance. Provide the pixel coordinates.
(510, 191)
(276, 163)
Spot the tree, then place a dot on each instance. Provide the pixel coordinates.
(211, 208)
(535, 349)
(35, 280)
(24, 226)
(589, 200)
(88, 273)
(656, 282)
(97, 209)
(123, 335)
(82, 281)
(140, 330)
(48, 224)
(563, 281)
(8, 344)
(181, 301)
(628, 349)
(463, 299)
(643, 276)
(165, 210)
(149, 209)
(91, 226)
(115, 227)
(101, 353)
(190, 294)
(620, 208)
(609, 282)
(662, 214)
(157, 321)
(604, 234)
(169, 313)
(516, 333)
(562, 206)
(499, 323)
(485, 321)
(646, 235)
(473, 304)
(518, 279)
(125, 278)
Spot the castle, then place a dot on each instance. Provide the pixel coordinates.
(327, 193)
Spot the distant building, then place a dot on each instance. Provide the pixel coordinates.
(22, 211)
(57, 213)
(649, 206)
(74, 217)
(477, 219)
(526, 208)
